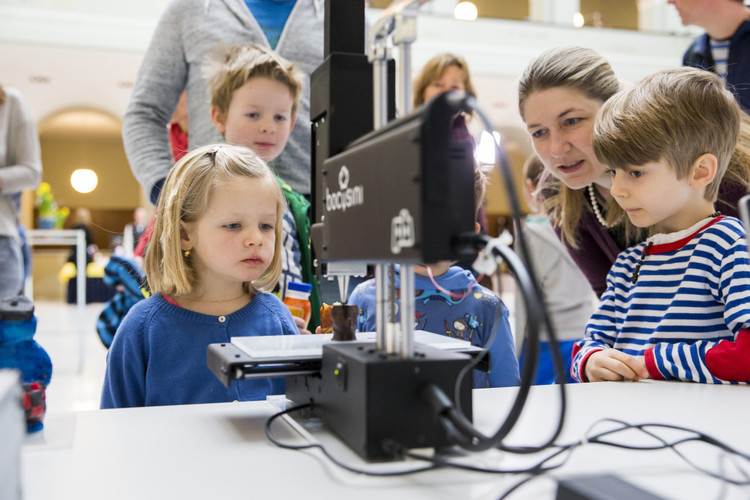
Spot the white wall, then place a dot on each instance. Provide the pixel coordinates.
(506, 48)
(85, 53)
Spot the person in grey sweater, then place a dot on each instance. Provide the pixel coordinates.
(188, 32)
(20, 169)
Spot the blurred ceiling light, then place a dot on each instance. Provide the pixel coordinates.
(593, 18)
(84, 180)
(578, 20)
(485, 151)
(465, 11)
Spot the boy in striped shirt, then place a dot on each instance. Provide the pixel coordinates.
(677, 306)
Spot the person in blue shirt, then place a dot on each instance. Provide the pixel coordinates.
(210, 266)
(187, 33)
(722, 49)
(449, 301)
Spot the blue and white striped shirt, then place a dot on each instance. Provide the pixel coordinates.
(692, 291)
(720, 53)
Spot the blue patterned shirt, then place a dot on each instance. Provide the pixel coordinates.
(468, 313)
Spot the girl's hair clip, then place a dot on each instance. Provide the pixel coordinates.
(214, 150)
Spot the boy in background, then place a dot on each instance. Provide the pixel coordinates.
(676, 306)
(254, 97)
(449, 301)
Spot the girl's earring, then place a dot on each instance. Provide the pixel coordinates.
(186, 253)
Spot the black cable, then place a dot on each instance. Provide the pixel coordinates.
(496, 323)
(503, 165)
(697, 436)
(538, 468)
(325, 452)
(517, 485)
(462, 430)
(564, 451)
(542, 466)
(535, 309)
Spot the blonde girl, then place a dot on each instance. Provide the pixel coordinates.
(210, 266)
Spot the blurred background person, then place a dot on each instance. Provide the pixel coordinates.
(20, 169)
(132, 232)
(569, 298)
(723, 48)
(82, 220)
(188, 31)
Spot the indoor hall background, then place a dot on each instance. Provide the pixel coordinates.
(75, 63)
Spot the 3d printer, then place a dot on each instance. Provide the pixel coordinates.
(384, 193)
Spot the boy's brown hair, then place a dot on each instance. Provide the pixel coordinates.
(240, 63)
(674, 115)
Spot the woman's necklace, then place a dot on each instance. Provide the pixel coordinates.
(595, 206)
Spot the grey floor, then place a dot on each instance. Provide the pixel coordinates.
(76, 382)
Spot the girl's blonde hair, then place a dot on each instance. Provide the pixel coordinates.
(184, 199)
(434, 69)
(586, 71)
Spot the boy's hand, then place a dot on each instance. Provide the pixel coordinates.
(301, 325)
(611, 365)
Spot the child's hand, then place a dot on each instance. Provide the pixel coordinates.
(611, 364)
(301, 325)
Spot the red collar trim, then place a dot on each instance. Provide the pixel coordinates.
(170, 300)
(676, 245)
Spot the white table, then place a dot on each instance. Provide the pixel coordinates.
(61, 237)
(220, 450)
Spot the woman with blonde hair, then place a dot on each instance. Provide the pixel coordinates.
(559, 95)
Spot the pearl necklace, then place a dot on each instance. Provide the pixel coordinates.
(595, 206)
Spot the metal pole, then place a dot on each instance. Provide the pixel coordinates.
(399, 23)
(407, 311)
(380, 118)
(404, 34)
(81, 293)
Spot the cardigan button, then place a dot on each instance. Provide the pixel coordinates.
(222, 319)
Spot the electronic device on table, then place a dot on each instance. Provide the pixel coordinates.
(387, 192)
